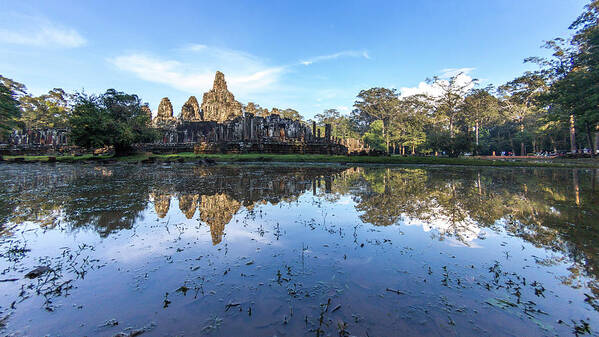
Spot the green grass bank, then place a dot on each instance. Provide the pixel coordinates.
(314, 158)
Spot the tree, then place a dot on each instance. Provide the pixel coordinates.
(373, 137)
(328, 116)
(573, 76)
(9, 110)
(377, 104)
(18, 89)
(46, 111)
(481, 108)
(341, 125)
(521, 103)
(291, 114)
(579, 89)
(113, 118)
(447, 104)
(407, 125)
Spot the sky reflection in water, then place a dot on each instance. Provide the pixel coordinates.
(298, 250)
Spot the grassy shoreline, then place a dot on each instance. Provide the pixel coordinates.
(313, 158)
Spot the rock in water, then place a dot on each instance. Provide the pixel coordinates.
(38, 271)
(191, 111)
(219, 104)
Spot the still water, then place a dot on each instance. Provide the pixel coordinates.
(297, 250)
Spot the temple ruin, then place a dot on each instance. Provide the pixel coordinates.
(219, 104)
(220, 124)
(164, 118)
(191, 112)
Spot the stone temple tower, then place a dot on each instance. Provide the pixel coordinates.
(164, 117)
(219, 104)
(191, 111)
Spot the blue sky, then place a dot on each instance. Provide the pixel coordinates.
(308, 55)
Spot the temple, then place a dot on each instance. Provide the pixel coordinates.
(220, 124)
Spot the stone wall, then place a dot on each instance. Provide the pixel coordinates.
(245, 134)
(355, 146)
(38, 142)
(50, 137)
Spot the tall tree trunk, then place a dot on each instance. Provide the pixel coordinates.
(596, 147)
(522, 146)
(476, 136)
(450, 127)
(512, 144)
(413, 150)
(572, 134)
(386, 136)
(552, 144)
(588, 127)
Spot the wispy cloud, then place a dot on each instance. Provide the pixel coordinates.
(195, 47)
(33, 31)
(434, 90)
(193, 70)
(244, 72)
(450, 72)
(346, 53)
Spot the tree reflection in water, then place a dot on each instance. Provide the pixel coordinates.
(553, 209)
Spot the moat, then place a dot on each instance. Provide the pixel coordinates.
(291, 250)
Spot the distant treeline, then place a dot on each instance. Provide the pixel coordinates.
(554, 108)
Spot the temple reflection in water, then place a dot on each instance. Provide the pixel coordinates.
(450, 204)
(231, 189)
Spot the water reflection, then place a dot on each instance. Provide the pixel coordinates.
(555, 210)
(538, 205)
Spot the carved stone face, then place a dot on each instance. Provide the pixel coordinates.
(219, 104)
(191, 111)
(165, 109)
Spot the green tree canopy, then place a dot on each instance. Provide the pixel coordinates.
(481, 109)
(377, 104)
(374, 136)
(291, 114)
(46, 111)
(113, 118)
(9, 110)
(447, 105)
